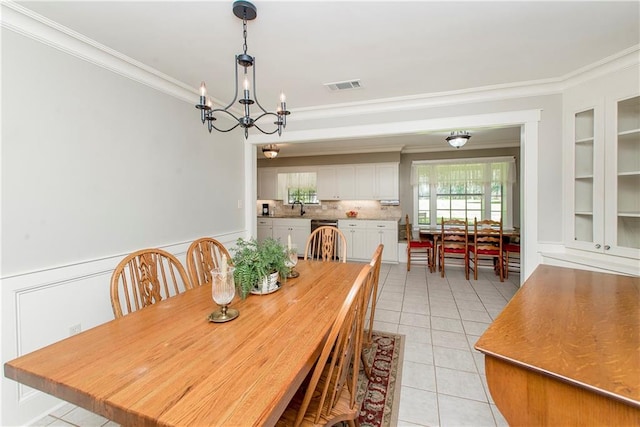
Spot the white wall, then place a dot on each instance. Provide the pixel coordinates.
(94, 165)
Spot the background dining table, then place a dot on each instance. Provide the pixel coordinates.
(168, 365)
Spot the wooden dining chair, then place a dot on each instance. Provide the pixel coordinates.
(329, 396)
(146, 277)
(487, 244)
(370, 298)
(508, 250)
(326, 244)
(454, 241)
(418, 251)
(204, 255)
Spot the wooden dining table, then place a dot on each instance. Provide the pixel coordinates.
(565, 351)
(168, 365)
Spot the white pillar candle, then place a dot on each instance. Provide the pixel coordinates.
(289, 242)
(224, 265)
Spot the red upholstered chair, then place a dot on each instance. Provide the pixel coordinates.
(510, 248)
(487, 244)
(420, 251)
(454, 241)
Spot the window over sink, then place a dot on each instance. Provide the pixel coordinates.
(298, 187)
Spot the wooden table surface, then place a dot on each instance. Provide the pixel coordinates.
(566, 350)
(167, 365)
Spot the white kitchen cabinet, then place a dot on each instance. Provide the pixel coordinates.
(264, 229)
(377, 181)
(267, 184)
(386, 233)
(364, 236)
(603, 139)
(356, 235)
(336, 182)
(298, 228)
(365, 182)
(386, 180)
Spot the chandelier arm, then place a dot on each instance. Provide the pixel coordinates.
(263, 131)
(220, 110)
(235, 95)
(225, 130)
(267, 113)
(255, 89)
(278, 128)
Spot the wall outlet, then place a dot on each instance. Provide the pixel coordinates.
(239, 204)
(75, 329)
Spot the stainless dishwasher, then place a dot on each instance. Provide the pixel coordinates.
(315, 223)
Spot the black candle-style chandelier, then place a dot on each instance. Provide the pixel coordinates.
(247, 12)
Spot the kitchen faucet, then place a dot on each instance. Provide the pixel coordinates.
(302, 211)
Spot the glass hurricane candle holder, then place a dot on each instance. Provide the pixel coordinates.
(223, 290)
(292, 262)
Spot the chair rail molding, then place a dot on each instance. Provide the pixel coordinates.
(40, 307)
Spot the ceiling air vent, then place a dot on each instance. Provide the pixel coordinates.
(346, 85)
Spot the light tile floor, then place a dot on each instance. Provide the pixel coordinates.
(443, 379)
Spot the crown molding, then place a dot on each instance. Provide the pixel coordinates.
(30, 24)
(627, 58)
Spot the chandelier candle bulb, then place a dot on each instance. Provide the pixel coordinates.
(246, 86)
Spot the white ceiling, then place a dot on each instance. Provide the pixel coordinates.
(396, 48)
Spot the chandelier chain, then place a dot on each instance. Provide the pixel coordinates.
(244, 34)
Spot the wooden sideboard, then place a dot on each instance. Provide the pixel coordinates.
(566, 350)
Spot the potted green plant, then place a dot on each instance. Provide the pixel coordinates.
(255, 262)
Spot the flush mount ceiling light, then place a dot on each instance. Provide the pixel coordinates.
(458, 138)
(247, 12)
(270, 151)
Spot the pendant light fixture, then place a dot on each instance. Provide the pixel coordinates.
(270, 151)
(458, 138)
(246, 11)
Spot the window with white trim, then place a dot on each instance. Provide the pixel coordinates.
(463, 189)
(298, 187)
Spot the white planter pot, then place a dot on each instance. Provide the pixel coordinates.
(269, 283)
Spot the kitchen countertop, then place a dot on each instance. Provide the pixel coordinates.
(379, 218)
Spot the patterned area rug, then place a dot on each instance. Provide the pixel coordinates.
(380, 396)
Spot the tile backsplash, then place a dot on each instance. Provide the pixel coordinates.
(330, 209)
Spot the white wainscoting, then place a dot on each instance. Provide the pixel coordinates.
(39, 308)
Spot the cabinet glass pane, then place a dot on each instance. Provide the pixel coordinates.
(629, 232)
(628, 171)
(583, 179)
(584, 228)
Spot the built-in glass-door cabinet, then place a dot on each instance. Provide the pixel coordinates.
(585, 225)
(625, 164)
(606, 177)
